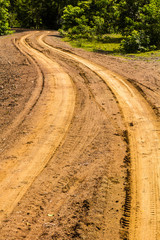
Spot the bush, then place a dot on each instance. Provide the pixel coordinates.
(139, 21)
(105, 38)
(4, 24)
(71, 15)
(84, 21)
(135, 42)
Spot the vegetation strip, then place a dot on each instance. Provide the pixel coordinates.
(137, 21)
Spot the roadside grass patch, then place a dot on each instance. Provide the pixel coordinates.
(148, 56)
(110, 44)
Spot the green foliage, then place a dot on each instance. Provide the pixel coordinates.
(136, 42)
(89, 19)
(38, 14)
(29, 13)
(73, 16)
(139, 21)
(111, 44)
(4, 24)
(75, 23)
(151, 21)
(13, 22)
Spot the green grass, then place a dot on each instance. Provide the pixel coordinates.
(111, 45)
(149, 56)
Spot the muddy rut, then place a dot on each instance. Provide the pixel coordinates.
(81, 118)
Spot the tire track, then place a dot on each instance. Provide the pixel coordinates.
(31, 153)
(145, 151)
(97, 98)
(34, 97)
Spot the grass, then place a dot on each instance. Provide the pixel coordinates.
(149, 56)
(111, 45)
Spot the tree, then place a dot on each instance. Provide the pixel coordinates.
(38, 14)
(4, 24)
(89, 19)
(28, 12)
(139, 22)
(150, 17)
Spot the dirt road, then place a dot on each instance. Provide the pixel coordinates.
(83, 123)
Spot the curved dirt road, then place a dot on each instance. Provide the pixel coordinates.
(54, 106)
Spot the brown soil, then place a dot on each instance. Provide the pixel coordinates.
(79, 181)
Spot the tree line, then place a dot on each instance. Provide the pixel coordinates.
(138, 21)
(35, 14)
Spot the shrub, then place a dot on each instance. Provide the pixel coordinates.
(4, 24)
(135, 42)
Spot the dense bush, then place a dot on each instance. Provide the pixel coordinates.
(136, 42)
(89, 19)
(139, 22)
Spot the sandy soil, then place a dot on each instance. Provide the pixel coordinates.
(81, 193)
